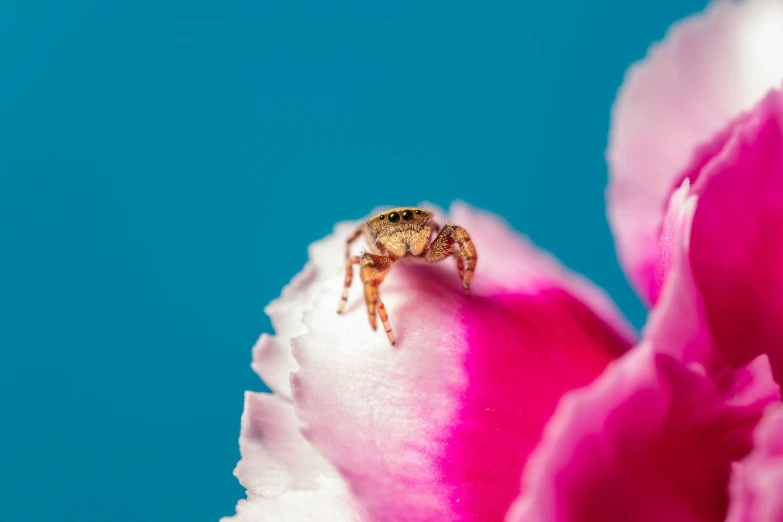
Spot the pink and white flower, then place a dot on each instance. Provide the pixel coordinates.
(440, 426)
(529, 402)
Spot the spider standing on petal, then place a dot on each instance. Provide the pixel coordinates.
(397, 233)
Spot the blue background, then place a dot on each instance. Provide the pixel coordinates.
(164, 165)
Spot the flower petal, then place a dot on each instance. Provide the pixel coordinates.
(710, 68)
(272, 358)
(274, 364)
(678, 325)
(736, 243)
(286, 479)
(440, 426)
(757, 482)
(650, 440)
(654, 438)
(720, 252)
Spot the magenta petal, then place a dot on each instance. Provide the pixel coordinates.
(678, 325)
(673, 235)
(720, 249)
(286, 479)
(757, 482)
(440, 426)
(650, 440)
(710, 68)
(736, 244)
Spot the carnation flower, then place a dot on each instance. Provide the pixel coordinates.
(535, 400)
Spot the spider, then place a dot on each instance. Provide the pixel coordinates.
(397, 233)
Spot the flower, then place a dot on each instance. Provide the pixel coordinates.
(535, 377)
(438, 427)
(695, 200)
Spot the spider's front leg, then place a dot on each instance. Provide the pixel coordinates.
(373, 271)
(451, 238)
(348, 280)
(349, 262)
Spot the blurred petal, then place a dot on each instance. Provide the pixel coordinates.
(736, 243)
(650, 440)
(710, 68)
(720, 249)
(655, 437)
(672, 234)
(286, 479)
(440, 426)
(678, 325)
(757, 482)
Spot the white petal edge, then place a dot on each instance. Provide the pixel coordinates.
(287, 480)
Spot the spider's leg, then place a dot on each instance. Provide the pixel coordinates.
(460, 267)
(349, 262)
(348, 280)
(468, 256)
(353, 237)
(385, 321)
(451, 238)
(373, 271)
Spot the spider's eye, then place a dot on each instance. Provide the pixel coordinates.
(407, 215)
(394, 217)
(381, 216)
(418, 212)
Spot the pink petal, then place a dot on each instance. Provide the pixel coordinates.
(440, 426)
(650, 440)
(672, 234)
(678, 325)
(286, 479)
(709, 69)
(654, 438)
(757, 482)
(720, 249)
(736, 244)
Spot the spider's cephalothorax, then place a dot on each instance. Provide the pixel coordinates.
(397, 233)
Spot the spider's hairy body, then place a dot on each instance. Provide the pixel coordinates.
(397, 233)
(401, 238)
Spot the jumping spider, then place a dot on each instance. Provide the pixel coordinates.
(397, 233)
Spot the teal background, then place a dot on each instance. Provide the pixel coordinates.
(164, 165)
